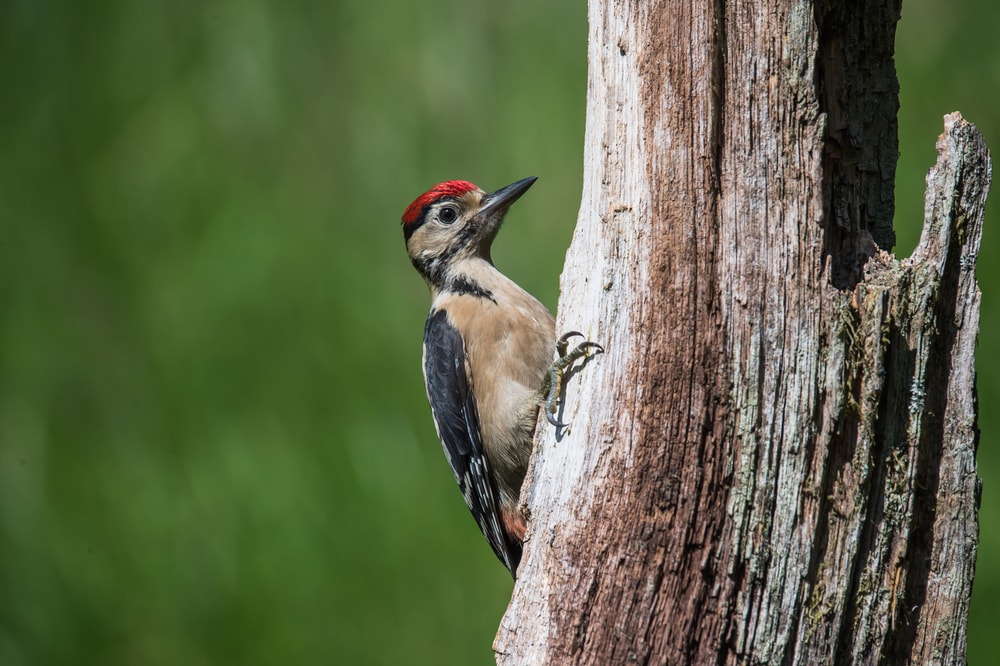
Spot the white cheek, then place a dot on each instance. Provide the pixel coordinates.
(435, 242)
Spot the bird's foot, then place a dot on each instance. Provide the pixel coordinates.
(552, 386)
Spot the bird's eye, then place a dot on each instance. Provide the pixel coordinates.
(448, 215)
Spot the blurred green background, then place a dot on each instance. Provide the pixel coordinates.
(214, 442)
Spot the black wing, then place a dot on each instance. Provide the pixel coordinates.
(456, 418)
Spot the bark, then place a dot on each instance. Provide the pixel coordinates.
(773, 462)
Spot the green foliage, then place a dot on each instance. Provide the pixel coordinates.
(214, 443)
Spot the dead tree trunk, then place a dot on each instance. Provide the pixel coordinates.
(774, 460)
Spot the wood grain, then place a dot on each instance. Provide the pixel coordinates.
(774, 460)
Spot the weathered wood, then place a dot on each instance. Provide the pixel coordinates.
(774, 460)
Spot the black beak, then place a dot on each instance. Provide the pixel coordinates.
(498, 202)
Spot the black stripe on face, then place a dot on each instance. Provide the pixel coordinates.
(432, 269)
(435, 268)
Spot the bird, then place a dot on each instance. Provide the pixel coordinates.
(489, 353)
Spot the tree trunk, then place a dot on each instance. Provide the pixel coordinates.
(774, 460)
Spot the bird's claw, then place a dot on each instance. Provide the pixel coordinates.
(553, 379)
(563, 343)
(555, 424)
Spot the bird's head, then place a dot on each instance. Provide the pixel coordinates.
(455, 220)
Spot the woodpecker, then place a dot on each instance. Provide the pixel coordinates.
(487, 355)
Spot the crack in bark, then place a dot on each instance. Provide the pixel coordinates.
(718, 108)
(859, 94)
